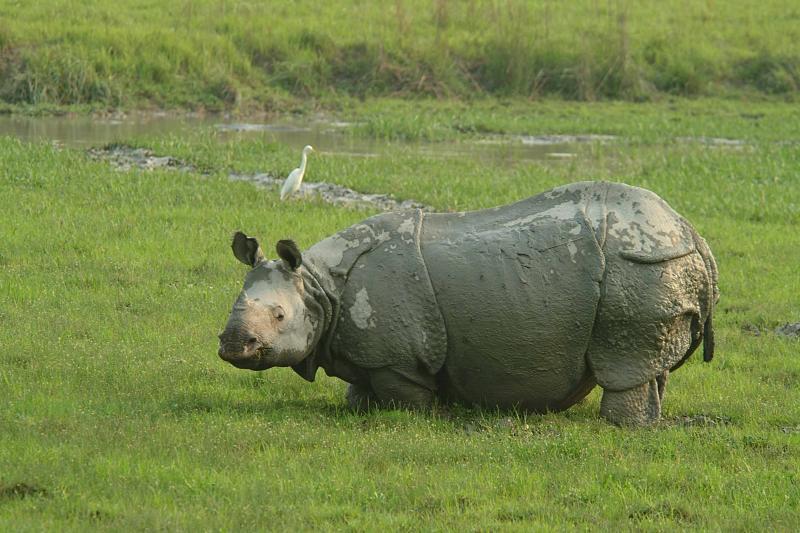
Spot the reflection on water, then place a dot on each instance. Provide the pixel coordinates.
(82, 131)
(326, 137)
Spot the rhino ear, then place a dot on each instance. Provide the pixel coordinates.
(288, 251)
(246, 249)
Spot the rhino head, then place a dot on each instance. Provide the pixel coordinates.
(277, 319)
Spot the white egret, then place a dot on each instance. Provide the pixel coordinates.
(292, 183)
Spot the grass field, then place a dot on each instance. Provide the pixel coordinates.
(272, 56)
(117, 414)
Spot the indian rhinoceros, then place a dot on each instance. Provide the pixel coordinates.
(528, 305)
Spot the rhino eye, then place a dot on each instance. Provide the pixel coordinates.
(277, 312)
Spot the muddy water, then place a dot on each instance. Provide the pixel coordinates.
(83, 132)
(325, 136)
(94, 134)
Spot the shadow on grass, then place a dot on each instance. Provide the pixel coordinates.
(250, 401)
(247, 403)
(190, 403)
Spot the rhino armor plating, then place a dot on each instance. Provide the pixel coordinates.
(528, 305)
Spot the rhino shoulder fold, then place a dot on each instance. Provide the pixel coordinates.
(389, 313)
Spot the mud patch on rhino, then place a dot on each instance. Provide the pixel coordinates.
(361, 311)
(20, 491)
(331, 251)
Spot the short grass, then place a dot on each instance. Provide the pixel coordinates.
(117, 414)
(268, 54)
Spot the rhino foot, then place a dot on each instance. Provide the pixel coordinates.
(638, 406)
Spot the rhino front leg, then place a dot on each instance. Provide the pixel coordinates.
(360, 397)
(398, 388)
(639, 406)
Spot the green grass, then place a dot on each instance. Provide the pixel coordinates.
(116, 408)
(675, 118)
(271, 55)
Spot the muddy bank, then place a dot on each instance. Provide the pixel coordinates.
(713, 141)
(546, 140)
(123, 158)
(791, 331)
(336, 194)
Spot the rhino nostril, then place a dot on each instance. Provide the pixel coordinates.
(252, 345)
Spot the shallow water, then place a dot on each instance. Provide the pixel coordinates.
(325, 136)
(86, 131)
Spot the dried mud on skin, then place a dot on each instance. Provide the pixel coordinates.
(125, 158)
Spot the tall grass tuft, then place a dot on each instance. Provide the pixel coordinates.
(202, 53)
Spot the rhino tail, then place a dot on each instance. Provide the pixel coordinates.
(711, 294)
(708, 340)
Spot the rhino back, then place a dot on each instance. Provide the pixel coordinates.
(518, 287)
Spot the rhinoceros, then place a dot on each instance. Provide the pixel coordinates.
(528, 305)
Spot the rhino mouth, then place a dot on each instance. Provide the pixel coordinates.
(260, 360)
(251, 364)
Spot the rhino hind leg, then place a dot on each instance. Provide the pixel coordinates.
(638, 406)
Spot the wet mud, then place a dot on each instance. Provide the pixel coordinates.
(547, 140)
(336, 194)
(124, 158)
(789, 330)
(18, 491)
(701, 420)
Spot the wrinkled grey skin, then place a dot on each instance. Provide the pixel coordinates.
(529, 305)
